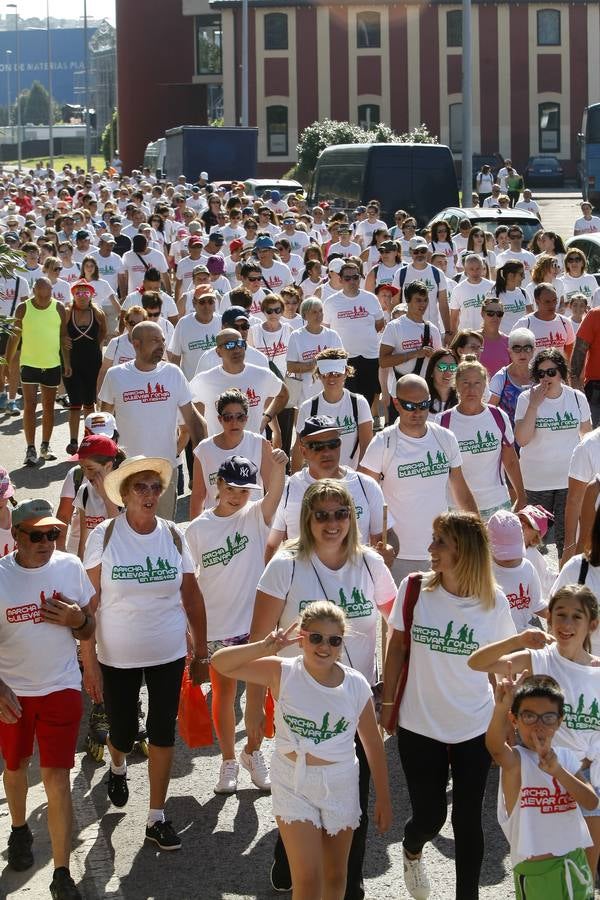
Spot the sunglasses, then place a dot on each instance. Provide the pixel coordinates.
(234, 417)
(274, 310)
(141, 488)
(419, 252)
(494, 312)
(57, 269)
(153, 315)
(409, 406)
(522, 348)
(232, 345)
(204, 300)
(338, 515)
(350, 277)
(447, 367)
(36, 537)
(254, 278)
(317, 446)
(314, 637)
(528, 717)
(546, 373)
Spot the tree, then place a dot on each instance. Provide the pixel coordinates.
(108, 142)
(38, 105)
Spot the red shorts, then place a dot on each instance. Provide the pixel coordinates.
(54, 719)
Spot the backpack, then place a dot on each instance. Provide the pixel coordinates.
(314, 406)
(402, 271)
(419, 362)
(498, 419)
(583, 570)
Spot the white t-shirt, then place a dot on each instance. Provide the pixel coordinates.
(191, 339)
(468, 298)
(210, 458)
(210, 359)
(545, 572)
(184, 270)
(354, 320)
(62, 291)
(277, 276)
(103, 293)
(36, 657)
(89, 500)
(444, 699)
(109, 267)
(404, 335)
(344, 417)
(70, 273)
(136, 269)
(449, 251)
(255, 382)
(585, 461)
(140, 619)
(339, 249)
(432, 313)
(120, 349)
(529, 205)
(168, 308)
(7, 542)
(515, 304)
(8, 288)
(545, 459)
(359, 587)
(584, 284)
(586, 226)
(366, 493)
(569, 574)
(304, 346)
(523, 591)
(558, 332)
(364, 230)
(229, 553)
(146, 429)
(273, 344)
(524, 256)
(416, 474)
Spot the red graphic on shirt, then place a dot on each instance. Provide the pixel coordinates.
(4, 551)
(415, 344)
(274, 281)
(357, 312)
(553, 340)
(546, 801)
(276, 349)
(30, 612)
(253, 397)
(255, 308)
(152, 394)
(521, 600)
(310, 354)
(92, 521)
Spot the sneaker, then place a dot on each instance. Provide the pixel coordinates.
(415, 878)
(31, 457)
(280, 877)
(20, 856)
(3, 400)
(259, 771)
(228, 776)
(118, 792)
(72, 447)
(46, 451)
(163, 834)
(63, 887)
(12, 408)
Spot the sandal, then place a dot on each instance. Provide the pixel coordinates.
(72, 447)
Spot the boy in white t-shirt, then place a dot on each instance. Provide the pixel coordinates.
(515, 574)
(542, 794)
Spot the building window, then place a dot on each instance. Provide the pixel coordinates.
(454, 28)
(368, 115)
(277, 131)
(455, 127)
(276, 31)
(208, 45)
(368, 30)
(548, 28)
(549, 127)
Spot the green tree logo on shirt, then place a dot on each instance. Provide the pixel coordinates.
(585, 717)
(355, 607)
(558, 423)
(461, 644)
(162, 570)
(485, 443)
(430, 467)
(223, 555)
(306, 728)
(346, 424)
(205, 343)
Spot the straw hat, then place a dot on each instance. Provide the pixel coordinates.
(114, 479)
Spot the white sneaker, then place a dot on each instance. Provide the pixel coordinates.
(228, 776)
(259, 771)
(415, 878)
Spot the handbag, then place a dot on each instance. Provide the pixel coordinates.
(193, 718)
(413, 589)
(294, 385)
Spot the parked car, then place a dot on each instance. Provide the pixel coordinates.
(489, 219)
(590, 245)
(544, 171)
(257, 186)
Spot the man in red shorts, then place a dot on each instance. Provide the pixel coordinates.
(44, 608)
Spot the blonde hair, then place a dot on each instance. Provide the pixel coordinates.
(326, 489)
(470, 363)
(473, 569)
(320, 610)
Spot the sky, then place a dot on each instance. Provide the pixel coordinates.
(101, 9)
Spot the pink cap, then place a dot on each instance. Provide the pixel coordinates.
(506, 535)
(538, 517)
(6, 488)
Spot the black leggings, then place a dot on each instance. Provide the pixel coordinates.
(426, 763)
(121, 695)
(366, 379)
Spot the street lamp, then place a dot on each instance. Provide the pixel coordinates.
(8, 55)
(50, 107)
(86, 65)
(18, 59)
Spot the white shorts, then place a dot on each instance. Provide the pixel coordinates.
(328, 797)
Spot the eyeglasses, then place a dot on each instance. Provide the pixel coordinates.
(36, 537)
(409, 406)
(317, 446)
(494, 312)
(522, 348)
(274, 310)
(141, 488)
(528, 717)
(232, 345)
(153, 315)
(234, 417)
(419, 252)
(337, 515)
(254, 278)
(447, 367)
(546, 373)
(204, 300)
(350, 277)
(314, 637)
(136, 322)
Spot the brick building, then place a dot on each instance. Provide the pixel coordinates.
(536, 65)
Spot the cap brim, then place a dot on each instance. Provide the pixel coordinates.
(44, 520)
(321, 431)
(252, 487)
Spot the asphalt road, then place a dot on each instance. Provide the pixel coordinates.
(227, 841)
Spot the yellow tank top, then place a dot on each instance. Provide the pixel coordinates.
(40, 336)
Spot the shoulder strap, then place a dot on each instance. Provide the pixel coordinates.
(16, 297)
(77, 478)
(287, 495)
(142, 260)
(499, 420)
(368, 568)
(362, 487)
(419, 362)
(445, 419)
(314, 406)
(526, 297)
(436, 275)
(291, 579)
(174, 534)
(354, 402)
(413, 590)
(402, 277)
(583, 570)
(176, 538)
(108, 533)
(85, 496)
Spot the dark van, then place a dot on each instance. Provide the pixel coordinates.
(419, 178)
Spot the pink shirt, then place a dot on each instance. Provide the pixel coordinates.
(495, 354)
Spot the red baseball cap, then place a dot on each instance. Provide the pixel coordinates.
(96, 445)
(194, 241)
(236, 245)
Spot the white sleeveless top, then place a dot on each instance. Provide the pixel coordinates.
(545, 818)
(210, 458)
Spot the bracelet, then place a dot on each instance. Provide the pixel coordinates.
(268, 416)
(83, 624)
(201, 659)
(568, 547)
(387, 702)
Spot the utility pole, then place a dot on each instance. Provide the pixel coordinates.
(467, 105)
(8, 118)
(245, 63)
(86, 65)
(50, 104)
(18, 57)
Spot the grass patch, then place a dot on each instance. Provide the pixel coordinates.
(59, 162)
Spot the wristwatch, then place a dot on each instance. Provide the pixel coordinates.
(268, 416)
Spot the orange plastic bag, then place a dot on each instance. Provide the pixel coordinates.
(193, 720)
(269, 715)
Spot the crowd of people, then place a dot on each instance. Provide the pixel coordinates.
(380, 429)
